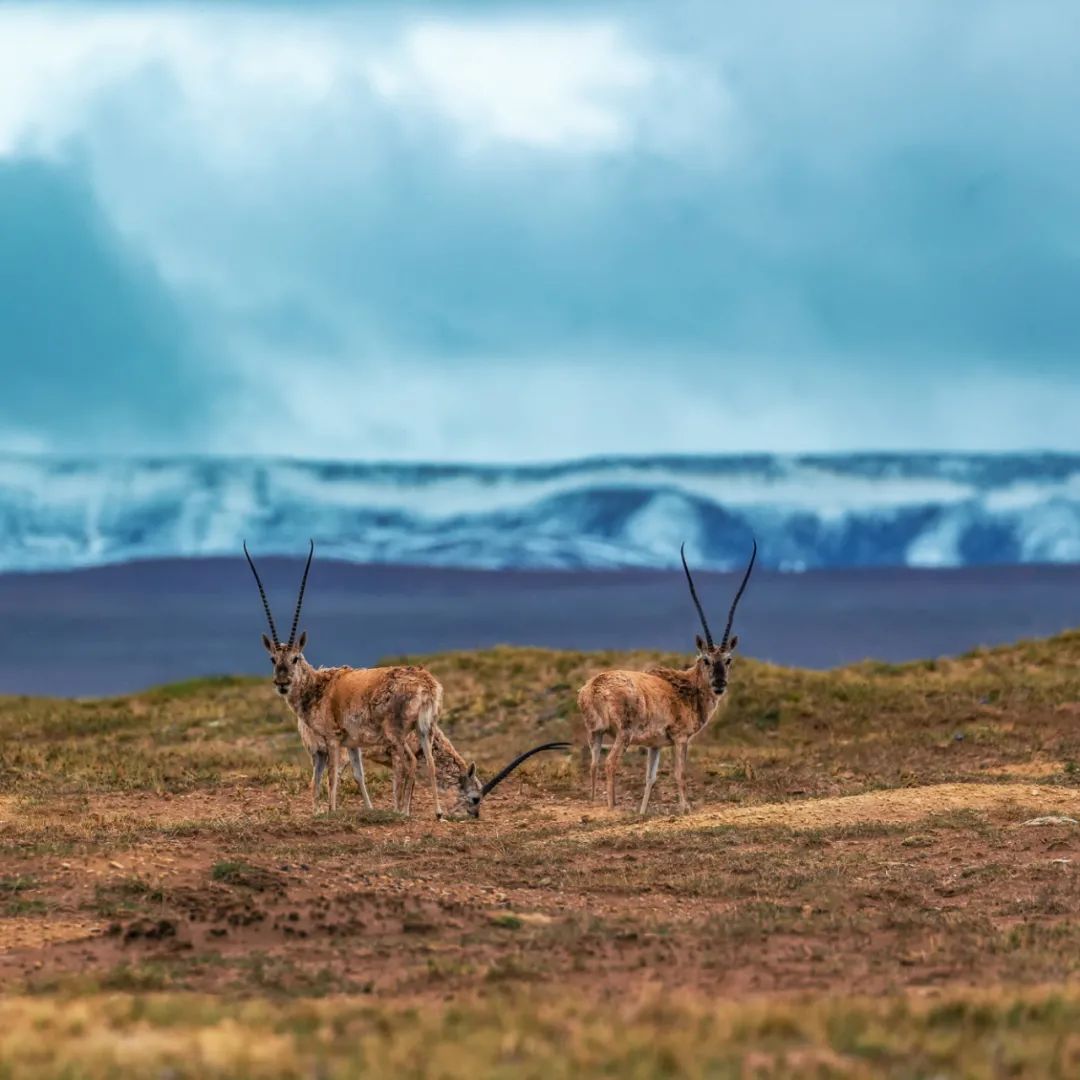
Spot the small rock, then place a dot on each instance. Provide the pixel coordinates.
(918, 840)
(534, 918)
(1051, 819)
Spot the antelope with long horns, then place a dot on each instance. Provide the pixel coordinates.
(459, 781)
(386, 712)
(354, 708)
(659, 707)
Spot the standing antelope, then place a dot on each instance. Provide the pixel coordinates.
(353, 708)
(387, 711)
(659, 707)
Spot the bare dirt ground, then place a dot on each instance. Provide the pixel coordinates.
(884, 834)
(917, 887)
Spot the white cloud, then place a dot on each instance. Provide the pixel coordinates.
(551, 84)
(546, 85)
(538, 409)
(55, 61)
(176, 111)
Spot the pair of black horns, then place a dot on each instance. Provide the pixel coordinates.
(503, 773)
(734, 603)
(299, 599)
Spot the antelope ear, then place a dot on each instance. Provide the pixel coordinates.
(733, 642)
(267, 645)
(470, 773)
(700, 645)
(302, 642)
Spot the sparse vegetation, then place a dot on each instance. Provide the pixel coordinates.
(977, 1034)
(162, 880)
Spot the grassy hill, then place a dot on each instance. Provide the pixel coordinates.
(885, 724)
(856, 893)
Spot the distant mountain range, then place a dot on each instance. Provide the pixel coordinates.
(841, 510)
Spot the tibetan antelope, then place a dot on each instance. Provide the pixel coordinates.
(387, 712)
(354, 708)
(459, 781)
(659, 707)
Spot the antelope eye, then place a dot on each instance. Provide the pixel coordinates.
(296, 659)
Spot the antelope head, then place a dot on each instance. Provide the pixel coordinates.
(286, 657)
(471, 793)
(715, 660)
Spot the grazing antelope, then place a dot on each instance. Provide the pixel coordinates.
(459, 781)
(659, 707)
(389, 712)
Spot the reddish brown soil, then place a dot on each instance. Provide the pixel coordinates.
(877, 891)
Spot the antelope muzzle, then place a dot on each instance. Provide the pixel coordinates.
(282, 679)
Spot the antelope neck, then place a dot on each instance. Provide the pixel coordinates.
(450, 766)
(298, 685)
(709, 698)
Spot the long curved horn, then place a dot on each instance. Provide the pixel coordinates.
(300, 598)
(262, 593)
(503, 773)
(697, 602)
(738, 596)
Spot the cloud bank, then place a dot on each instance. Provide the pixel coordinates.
(536, 232)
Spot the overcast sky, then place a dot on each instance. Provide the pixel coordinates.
(511, 232)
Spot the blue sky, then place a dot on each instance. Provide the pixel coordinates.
(515, 232)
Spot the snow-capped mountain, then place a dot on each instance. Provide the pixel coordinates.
(805, 511)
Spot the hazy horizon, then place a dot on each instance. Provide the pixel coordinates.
(270, 457)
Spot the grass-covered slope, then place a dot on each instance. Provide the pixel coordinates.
(856, 893)
(821, 732)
